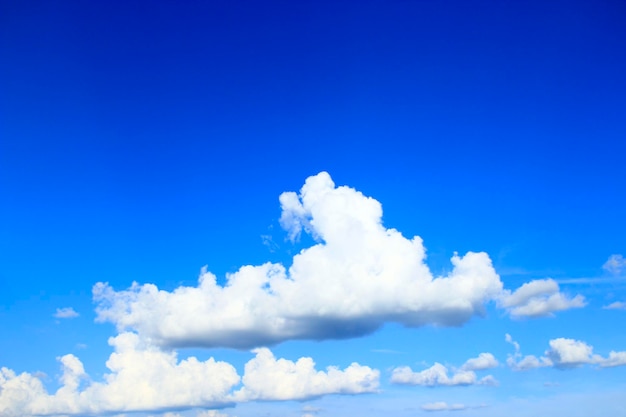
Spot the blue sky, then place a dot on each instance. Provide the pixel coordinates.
(295, 149)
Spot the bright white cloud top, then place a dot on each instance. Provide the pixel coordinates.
(300, 380)
(443, 406)
(357, 277)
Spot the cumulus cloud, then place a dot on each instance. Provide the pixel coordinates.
(141, 378)
(357, 276)
(570, 353)
(146, 378)
(437, 375)
(538, 298)
(443, 406)
(268, 378)
(617, 305)
(66, 313)
(564, 354)
(615, 264)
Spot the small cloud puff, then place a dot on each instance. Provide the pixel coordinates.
(66, 313)
(483, 361)
(538, 298)
(443, 406)
(615, 264)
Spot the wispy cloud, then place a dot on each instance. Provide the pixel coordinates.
(617, 305)
(615, 264)
(590, 280)
(389, 351)
(66, 313)
(443, 406)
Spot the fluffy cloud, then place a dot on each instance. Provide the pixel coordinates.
(564, 354)
(141, 378)
(615, 264)
(538, 298)
(65, 313)
(357, 276)
(268, 378)
(570, 353)
(19, 393)
(146, 378)
(437, 374)
(443, 406)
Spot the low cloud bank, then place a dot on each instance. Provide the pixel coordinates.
(147, 378)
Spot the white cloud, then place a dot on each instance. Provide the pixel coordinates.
(19, 394)
(483, 361)
(268, 378)
(615, 264)
(570, 353)
(617, 305)
(141, 378)
(564, 354)
(614, 359)
(437, 375)
(145, 378)
(433, 376)
(358, 276)
(211, 413)
(307, 408)
(538, 298)
(66, 313)
(443, 406)
(518, 362)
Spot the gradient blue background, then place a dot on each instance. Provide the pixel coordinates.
(143, 140)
